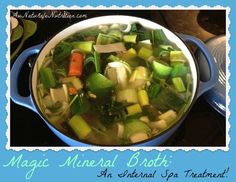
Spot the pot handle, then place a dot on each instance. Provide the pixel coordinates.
(214, 73)
(14, 75)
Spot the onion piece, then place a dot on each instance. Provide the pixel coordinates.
(115, 47)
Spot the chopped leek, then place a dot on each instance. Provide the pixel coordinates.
(103, 39)
(160, 125)
(133, 126)
(113, 58)
(153, 90)
(133, 109)
(168, 116)
(129, 55)
(179, 69)
(145, 53)
(95, 59)
(161, 70)
(143, 97)
(83, 46)
(130, 38)
(99, 84)
(168, 98)
(177, 56)
(158, 37)
(132, 59)
(116, 33)
(47, 77)
(179, 84)
(142, 73)
(127, 95)
(79, 126)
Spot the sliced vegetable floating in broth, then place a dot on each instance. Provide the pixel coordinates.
(110, 85)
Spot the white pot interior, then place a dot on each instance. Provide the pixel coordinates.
(110, 20)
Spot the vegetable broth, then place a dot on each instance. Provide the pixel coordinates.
(114, 84)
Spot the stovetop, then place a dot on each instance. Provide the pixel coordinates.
(202, 127)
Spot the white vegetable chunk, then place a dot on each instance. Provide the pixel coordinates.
(138, 137)
(118, 72)
(108, 48)
(120, 130)
(59, 94)
(168, 116)
(145, 119)
(127, 95)
(161, 124)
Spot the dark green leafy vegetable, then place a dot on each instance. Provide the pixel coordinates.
(153, 90)
(151, 112)
(62, 51)
(60, 72)
(168, 98)
(110, 111)
(81, 104)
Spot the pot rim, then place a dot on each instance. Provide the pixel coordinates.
(181, 119)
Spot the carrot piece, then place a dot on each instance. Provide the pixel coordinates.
(72, 90)
(76, 64)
